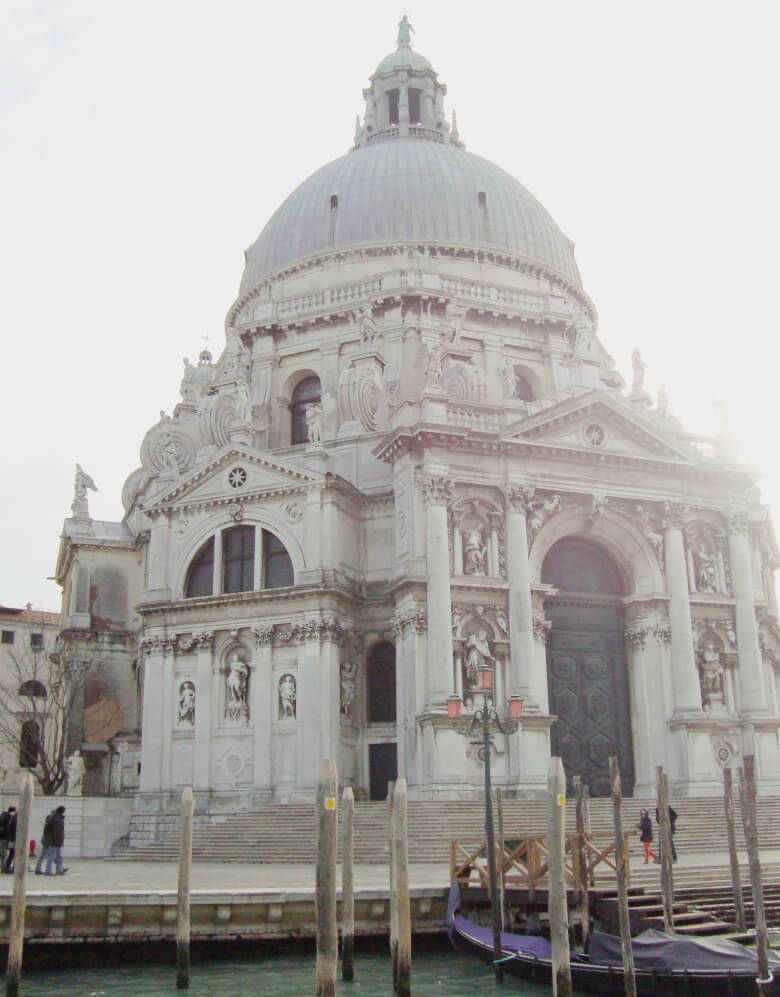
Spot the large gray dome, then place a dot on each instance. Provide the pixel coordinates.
(409, 190)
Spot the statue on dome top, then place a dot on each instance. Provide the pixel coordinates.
(638, 366)
(405, 31)
(80, 504)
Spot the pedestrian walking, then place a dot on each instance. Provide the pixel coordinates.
(54, 852)
(645, 828)
(47, 842)
(672, 824)
(5, 820)
(8, 865)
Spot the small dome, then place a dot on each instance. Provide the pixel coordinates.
(404, 58)
(409, 190)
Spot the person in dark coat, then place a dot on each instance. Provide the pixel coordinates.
(46, 842)
(672, 823)
(11, 837)
(5, 820)
(645, 827)
(57, 841)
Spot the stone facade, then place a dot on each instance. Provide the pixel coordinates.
(348, 514)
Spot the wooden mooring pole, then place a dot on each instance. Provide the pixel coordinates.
(728, 806)
(556, 847)
(501, 887)
(327, 851)
(747, 792)
(13, 973)
(348, 885)
(621, 866)
(183, 913)
(403, 907)
(391, 874)
(581, 860)
(665, 835)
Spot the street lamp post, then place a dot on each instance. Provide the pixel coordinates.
(485, 720)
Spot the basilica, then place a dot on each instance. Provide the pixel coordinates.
(413, 478)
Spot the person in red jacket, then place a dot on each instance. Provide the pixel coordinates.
(646, 834)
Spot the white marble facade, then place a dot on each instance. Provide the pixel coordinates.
(417, 419)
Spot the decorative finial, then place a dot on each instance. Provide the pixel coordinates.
(80, 504)
(405, 31)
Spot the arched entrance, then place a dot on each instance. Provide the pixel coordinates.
(586, 665)
(381, 709)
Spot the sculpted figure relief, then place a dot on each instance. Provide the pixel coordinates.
(288, 695)
(81, 483)
(711, 677)
(169, 454)
(705, 563)
(649, 529)
(243, 404)
(76, 769)
(474, 552)
(237, 688)
(508, 378)
(369, 331)
(314, 415)
(433, 368)
(539, 511)
(638, 366)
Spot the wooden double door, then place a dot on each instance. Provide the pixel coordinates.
(589, 692)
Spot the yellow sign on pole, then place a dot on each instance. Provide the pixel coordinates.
(330, 802)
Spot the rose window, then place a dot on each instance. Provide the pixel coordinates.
(237, 477)
(594, 435)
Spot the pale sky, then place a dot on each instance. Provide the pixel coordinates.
(144, 145)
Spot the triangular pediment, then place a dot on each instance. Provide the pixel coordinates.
(597, 423)
(236, 471)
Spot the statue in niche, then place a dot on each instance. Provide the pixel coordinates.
(650, 533)
(454, 320)
(433, 368)
(457, 618)
(237, 686)
(478, 655)
(508, 378)
(287, 697)
(638, 366)
(501, 620)
(711, 678)
(474, 552)
(186, 706)
(705, 565)
(348, 686)
(405, 31)
(75, 768)
(539, 511)
(369, 331)
(314, 415)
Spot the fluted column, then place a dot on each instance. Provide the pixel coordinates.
(265, 696)
(521, 633)
(151, 742)
(685, 677)
(437, 493)
(752, 693)
(204, 642)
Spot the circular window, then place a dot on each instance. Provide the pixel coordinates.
(237, 477)
(594, 435)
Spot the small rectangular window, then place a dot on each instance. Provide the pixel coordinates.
(8, 636)
(415, 117)
(36, 640)
(392, 106)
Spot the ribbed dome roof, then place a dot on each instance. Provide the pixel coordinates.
(404, 57)
(409, 190)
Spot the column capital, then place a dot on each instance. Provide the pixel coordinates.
(674, 512)
(437, 489)
(739, 523)
(517, 498)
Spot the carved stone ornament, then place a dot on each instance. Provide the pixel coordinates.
(463, 382)
(409, 621)
(738, 522)
(168, 450)
(216, 417)
(236, 511)
(711, 678)
(541, 627)
(204, 638)
(663, 633)
(724, 753)
(293, 511)
(474, 551)
(636, 637)
(367, 326)
(263, 636)
(539, 511)
(81, 484)
(478, 655)
(518, 498)
(237, 689)
(181, 526)
(158, 645)
(323, 628)
(288, 697)
(437, 490)
(348, 686)
(674, 513)
(361, 394)
(650, 528)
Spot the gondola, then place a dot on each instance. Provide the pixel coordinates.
(665, 965)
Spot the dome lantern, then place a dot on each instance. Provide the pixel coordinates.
(405, 98)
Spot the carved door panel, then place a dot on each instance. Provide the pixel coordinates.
(589, 693)
(382, 768)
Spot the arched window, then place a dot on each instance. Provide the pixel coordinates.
(28, 745)
(380, 673)
(523, 389)
(574, 566)
(200, 577)
(251, 559)
(238, 559)
(33, 689)
(306, 393)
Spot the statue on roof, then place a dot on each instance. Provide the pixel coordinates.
(80, 504)
(405, 31)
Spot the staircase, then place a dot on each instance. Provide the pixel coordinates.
(285, 833)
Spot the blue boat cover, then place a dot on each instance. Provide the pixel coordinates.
(664, 953)
(483, 934)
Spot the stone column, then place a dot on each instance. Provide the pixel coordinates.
(167, 714)
(201, 760)
(265, 695)
(685, 676)
(521, 631)
(437, 492)
(151, 742)
(752, 693)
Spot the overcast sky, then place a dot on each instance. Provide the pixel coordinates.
(144, 145)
